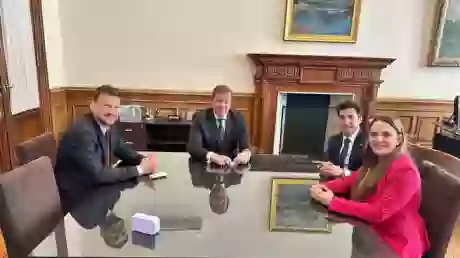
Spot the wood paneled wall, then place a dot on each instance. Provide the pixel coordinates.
(418, 116)
(28, 124)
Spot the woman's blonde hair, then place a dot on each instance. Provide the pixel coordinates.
(371, 172)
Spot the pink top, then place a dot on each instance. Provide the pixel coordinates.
(393, 210)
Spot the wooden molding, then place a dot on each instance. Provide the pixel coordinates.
(276, 73)
(41, 63)
(417, 115)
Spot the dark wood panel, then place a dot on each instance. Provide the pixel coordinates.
(29, 124)
(418, 116)
(77, 100)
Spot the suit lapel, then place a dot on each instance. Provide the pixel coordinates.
(337, 146)
(229, 124)
(100, 137)
(357, 146)
(211, 124)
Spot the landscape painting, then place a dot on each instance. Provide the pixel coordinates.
(292, 208)
(445, 44)
(322, 20)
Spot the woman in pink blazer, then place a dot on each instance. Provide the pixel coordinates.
(385, 192)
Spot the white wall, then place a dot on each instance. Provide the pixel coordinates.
(193, 45)
(53, 43)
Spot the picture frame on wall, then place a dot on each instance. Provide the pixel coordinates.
(445, 41)
(322, 20)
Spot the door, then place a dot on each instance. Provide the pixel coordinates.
(5, 114)
(305, 124)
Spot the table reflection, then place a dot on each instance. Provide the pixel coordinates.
(97, 210)
(193, 204)
(217, 179)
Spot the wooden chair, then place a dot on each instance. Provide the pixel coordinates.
(440, 206)
(42, 145)
(30, 207)
(450, 163)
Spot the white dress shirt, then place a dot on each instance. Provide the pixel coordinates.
(224, 120)
(352, 139)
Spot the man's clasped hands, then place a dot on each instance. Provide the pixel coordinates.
(222, 160)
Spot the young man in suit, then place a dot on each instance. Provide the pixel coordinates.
(85, 150)
(219, 134)
(344, 150)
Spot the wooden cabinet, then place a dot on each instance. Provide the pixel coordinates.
(156, 135)
(134, 134)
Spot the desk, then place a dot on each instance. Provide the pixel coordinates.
(100, 225)
(447, 142)
(156, 134)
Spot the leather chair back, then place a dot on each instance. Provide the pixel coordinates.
(440, 206)
(34, 148)
(450, 163)
(30, 207)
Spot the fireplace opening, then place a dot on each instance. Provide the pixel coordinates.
(305, 121)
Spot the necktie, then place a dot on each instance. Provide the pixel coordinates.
(108, 152)
(221, 127)
(344, 152)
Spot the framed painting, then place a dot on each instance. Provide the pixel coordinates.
(292, 208)
(322, 20)
(445, 42)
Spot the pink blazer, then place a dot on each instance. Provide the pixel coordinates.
(392, 211)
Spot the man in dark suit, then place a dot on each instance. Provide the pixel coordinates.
(219, 134)
(344, 150)
(85, 150)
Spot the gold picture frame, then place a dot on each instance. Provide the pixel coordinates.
(445, 36)
(302, 218)
(331, 22)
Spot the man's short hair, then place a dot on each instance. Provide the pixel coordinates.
(106, 89)
(220, 89)
(348, 104)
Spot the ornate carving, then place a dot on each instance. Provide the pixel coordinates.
(275, 71)
(357, 74)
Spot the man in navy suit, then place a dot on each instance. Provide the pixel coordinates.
(344, 150)
(218, 134)
(85, 150)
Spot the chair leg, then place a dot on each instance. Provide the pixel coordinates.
(61, 240)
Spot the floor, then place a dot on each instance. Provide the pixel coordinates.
(454, 247)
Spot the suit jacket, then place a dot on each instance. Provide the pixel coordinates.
(392, 210)
(80, 162)
(335, 144)
(205, 135)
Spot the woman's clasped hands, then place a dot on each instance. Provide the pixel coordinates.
(322, 194)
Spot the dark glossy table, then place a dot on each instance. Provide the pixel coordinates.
(195, 225)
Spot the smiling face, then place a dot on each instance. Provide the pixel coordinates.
(106, 109)
(221, 103)
(384, 138)
(349, 121)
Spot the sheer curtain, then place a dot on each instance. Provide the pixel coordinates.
(20, 55)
